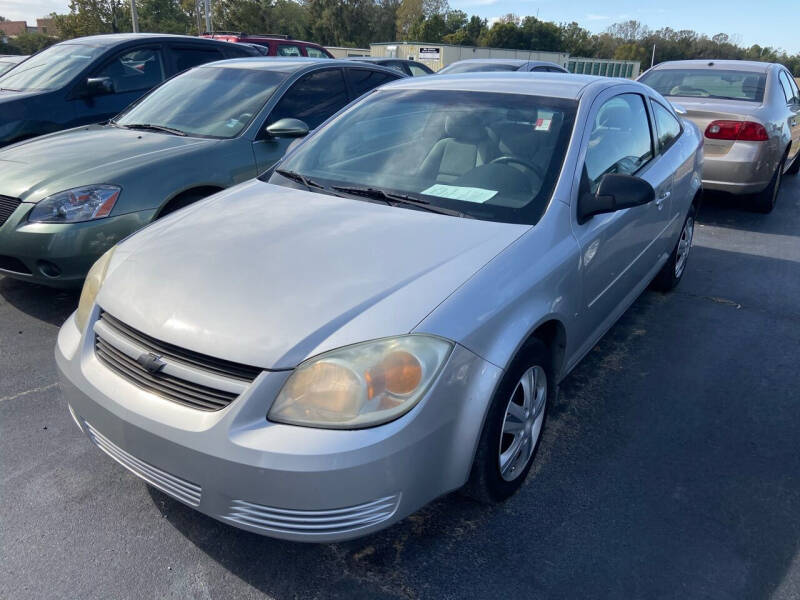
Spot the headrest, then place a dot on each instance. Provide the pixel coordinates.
(464, 128)
(615, 117)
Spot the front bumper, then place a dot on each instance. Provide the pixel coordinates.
(60, 255)
(738, 168)
(280, 480)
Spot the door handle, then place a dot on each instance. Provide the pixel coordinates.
(661, 198)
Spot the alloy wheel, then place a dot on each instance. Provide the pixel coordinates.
(522, 424)
(684, 245)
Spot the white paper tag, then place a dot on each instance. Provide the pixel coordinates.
(465, 194)
(543, 124)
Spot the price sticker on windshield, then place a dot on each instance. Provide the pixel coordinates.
(543, 124)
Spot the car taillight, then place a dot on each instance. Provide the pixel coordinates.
(747, 131)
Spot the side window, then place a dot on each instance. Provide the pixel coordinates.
(139, 69)
(289, 50)
(620, 140)
(186, 57)
(789, 87)
(667, 125)
(540, 69)
(315, 52)
(788, 92)
(417, 71)
(795, 88)
(363, 80)
(396, 66)
(312, 99)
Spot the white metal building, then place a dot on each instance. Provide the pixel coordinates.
(437, 56)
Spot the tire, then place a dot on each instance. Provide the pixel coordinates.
(764, 201)
(488, 482)
(672, 272)
(180, 202)
(793, 170)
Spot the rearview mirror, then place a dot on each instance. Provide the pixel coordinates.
(99, 85)
(615, 192)
(287, 128)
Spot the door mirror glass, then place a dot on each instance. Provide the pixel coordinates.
(615, 192)
(96, 86)
(287, 128)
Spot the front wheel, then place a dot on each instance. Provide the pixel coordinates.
(672, 272)
(513, 427)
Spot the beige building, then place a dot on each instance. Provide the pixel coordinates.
(341, 52)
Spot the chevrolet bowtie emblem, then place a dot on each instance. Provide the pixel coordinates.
(151, 363)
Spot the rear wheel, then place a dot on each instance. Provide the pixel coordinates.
(513, 427)
(764, 201)
(793, 170)
(672, 272)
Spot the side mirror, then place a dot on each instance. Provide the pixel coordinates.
(615, 192)
(287, 128)
(99, 85)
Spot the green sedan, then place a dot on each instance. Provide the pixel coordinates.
(67, 197)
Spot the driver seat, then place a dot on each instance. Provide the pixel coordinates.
(468, 144)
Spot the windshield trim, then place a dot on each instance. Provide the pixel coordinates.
(20, 68)
(571, 118)
(247, 127)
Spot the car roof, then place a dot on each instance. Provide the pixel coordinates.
(378, 59)
(110, 39)
(507, 61)
(553, 85)
(738, 65)
(286, 64)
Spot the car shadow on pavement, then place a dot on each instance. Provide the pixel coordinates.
(735, 212)
(43, 303)
(645, 485)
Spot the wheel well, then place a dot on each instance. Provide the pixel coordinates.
(178, 199)
(553, 334)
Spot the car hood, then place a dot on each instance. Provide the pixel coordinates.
(267, 276)
(34, 169)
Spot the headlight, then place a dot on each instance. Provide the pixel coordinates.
(361, 385)
(76, 205)
(92, 285)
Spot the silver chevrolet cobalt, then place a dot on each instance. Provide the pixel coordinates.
(384, 316)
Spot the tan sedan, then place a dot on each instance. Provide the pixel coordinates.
(750, 115)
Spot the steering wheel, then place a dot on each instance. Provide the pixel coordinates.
(504, 160)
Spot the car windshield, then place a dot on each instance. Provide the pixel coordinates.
(707, 83)
(479, 67)
(50, 69)
(484, 155)
(206, 102)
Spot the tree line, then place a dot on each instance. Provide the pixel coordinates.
(359, 22)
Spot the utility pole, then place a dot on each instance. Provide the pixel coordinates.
(653, 57)
(134, 17)
(207, 4)
(198, 4)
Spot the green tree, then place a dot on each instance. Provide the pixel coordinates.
(90, 17)
(163, 16)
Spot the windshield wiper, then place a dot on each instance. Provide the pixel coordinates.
(151, 127)
(309, 183)
(393, 199)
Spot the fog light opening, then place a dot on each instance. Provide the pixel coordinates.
(48, 269)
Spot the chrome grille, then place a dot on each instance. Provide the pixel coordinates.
(187, 388)
(320, 522)
(195, 359)
(7, 206)
(178, 488)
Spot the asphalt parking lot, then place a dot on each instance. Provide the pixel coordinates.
(668, 468)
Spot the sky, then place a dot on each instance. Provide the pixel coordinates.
(765, 22)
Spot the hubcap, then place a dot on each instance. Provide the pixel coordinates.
(684, 245)
(522, 424)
